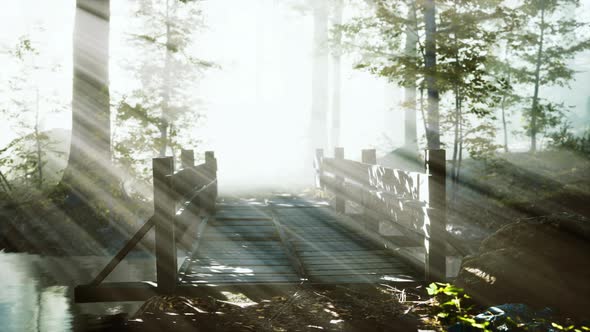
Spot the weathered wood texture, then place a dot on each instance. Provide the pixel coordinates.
(288, 240)
(412, 201)
(164, 211)
(180, 198)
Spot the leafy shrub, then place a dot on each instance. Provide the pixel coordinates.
(564, 139)
(454, 308)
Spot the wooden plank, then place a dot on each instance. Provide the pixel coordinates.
(359, 253)
(223, 246)
(310, 261)
(241, 237)
(164, 211)
(375, 272)
(327, 247)
(435, 266)
(241, 218)
(242, 244)
(241, 255)
(267, 227)
(123, 252)
(241, 249)
(246, 270)
(207, 278)
(241, 262)
(363, 279)
(290, 249)
(343, 265)
(240, 223)
(349, 169)
(253, 213)
(115, 292)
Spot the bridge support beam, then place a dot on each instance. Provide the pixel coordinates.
(435, 247)
(164, 211)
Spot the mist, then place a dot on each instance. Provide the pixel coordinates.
(412, 153)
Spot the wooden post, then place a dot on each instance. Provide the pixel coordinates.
(435, 267)
(164, 210)
(340, 203)
(369, 156)
(187, 158)
(211, 164)
(317, 165)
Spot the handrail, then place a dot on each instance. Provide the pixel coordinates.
(415, 201)
(165, 213)
(196, 193)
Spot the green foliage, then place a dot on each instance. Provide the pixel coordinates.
(452, 305)
(24, 159)
(160, 116)
(480, 142)
(466, 72)
(564, 139)
(552, 36)
(549, 115)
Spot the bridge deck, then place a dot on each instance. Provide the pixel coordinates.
(287, 240)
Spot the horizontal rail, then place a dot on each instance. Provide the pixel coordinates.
(413, 200)
(376, 177)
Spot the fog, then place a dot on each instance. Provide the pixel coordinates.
(256, 102)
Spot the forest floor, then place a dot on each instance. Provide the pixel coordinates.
(516, 186)
(375, 308)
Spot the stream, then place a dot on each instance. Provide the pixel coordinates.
(37, 291)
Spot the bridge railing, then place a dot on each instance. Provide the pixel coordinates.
(414, 203)
(179, 199)
(176, 196)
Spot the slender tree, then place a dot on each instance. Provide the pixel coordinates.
(410, 51)
(165, 106)
(551, 38)
(336, 74)
(433, 129)
(319, 76)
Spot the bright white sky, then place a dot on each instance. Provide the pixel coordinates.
(257, 104)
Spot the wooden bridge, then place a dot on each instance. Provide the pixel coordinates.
(394, 235)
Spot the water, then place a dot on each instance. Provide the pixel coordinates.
(36, 293)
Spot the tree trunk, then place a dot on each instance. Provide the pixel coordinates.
(504, 98)
(410, 135)
(38, 142)
(164, 119)
(460, 159)
(319, 84)
(457, 93)
(535, 106)
(456, 138)
(90, 148)
(422, 112)
(433, 133)
(336, 77)
(504, 126)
